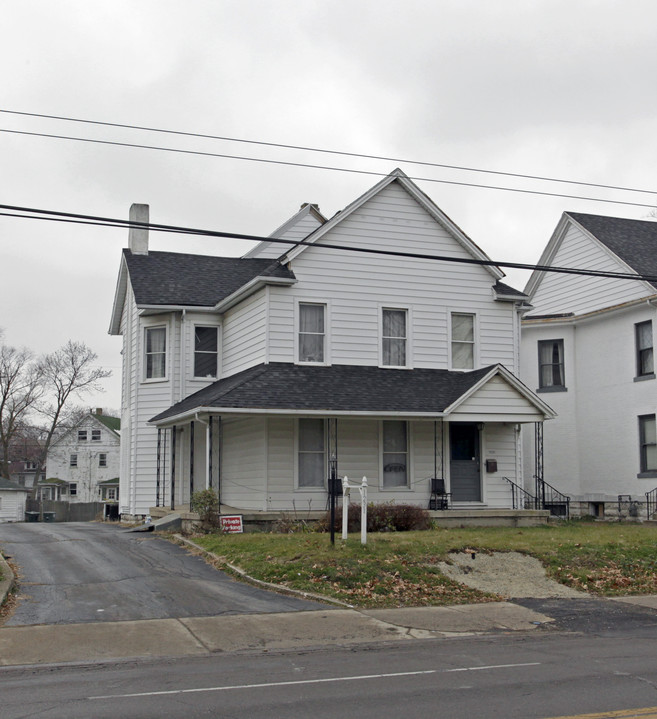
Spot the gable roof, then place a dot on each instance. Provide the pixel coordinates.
(633, 241)
(113, 424)
(339, 389)
(422, 199)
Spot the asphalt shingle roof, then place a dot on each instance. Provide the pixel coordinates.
(339, 388)
(8, 484)
(634, 241)
(173, 278)
(504, 289)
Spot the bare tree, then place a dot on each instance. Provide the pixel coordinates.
(40, 393)
(21, 387)
(68, 373)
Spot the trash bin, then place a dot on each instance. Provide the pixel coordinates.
(48, 516)
(31, 516)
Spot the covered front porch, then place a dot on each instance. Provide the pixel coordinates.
(457, 433)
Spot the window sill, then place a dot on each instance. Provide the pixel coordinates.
(644, 377)
(559, 388)
(651, 474)
(154, 380)
(313, 364)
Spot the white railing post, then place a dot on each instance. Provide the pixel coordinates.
(363, 511)
(345, 506)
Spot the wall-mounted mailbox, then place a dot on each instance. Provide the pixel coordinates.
(491, 465)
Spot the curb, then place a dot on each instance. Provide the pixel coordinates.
(6, 584)
(258, 582)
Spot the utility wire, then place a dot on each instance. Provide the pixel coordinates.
(59, 216)
(322, 167)
(326, 151)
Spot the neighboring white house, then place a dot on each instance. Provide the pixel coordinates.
(83, 458)
(259, 376)
(12, 501)
(587, 348)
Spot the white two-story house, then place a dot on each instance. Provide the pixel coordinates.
(587, 347)
(263, 376)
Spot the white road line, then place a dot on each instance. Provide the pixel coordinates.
(311, 681)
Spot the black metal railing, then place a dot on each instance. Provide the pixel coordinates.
(520, 497)
(552, 499)
(651, 502)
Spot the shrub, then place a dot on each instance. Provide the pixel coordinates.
(206, 504)
(386, 517)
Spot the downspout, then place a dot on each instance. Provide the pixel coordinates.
(183, 393)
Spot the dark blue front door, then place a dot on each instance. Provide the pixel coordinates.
(464, 462)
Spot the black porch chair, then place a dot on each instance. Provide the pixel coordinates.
(439, 498)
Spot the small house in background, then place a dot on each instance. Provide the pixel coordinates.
(12, 501)
(588, 349)
(82, 458)
(263, 376)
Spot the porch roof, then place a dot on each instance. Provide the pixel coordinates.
(281, 387)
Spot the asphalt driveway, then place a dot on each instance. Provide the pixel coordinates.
(91, 572)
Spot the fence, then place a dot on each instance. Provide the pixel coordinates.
(63, 511)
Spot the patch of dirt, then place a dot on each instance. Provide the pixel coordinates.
(509, 574)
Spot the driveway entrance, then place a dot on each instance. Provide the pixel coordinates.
(91, 572)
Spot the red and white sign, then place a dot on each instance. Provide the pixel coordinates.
(231, 523)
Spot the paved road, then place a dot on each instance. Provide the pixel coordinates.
(529, 676)
(91, 572)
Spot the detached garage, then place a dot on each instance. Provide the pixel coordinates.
(12, 501)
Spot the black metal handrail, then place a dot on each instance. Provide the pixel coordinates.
(520, 497)
(651, 502)
(552, 499)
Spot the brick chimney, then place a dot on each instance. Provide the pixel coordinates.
(99, 411)
(138, 236)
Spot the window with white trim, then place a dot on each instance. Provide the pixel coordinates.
(155, 352)
(393, 337)
(73, 489)
(463, 340)
(111, 493)
(395, 453)
(82, 435)
(102, 459)
(645, 366)
(311, 453)
(551, 373)
(205, 351)
(648, 445)
(95, 435)
(312, 332)
(73, 461)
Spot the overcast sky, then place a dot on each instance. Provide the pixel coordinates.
(555, 88)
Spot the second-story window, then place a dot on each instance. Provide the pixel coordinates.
(95, 435)
(551, 375)
(645, 365)
(156, 352)
(393, 348)
(73, 462)
(82, 435)
(205, 351)
(102, 460)
(463, 340)
(311, 332)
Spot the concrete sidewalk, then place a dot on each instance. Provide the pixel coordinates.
(91, 642)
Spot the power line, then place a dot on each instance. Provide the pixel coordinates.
(327, 151)
(58, 216)
(321, 167)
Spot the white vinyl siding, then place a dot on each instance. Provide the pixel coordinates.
(244, 334)
(292, 230)
(244, 462)
(559, 293)
(358, 286)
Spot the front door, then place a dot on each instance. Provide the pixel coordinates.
(464, 462)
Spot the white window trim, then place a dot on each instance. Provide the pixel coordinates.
(327, 330)
(409, 336)
(409, 453)
(193, 377)
(167, 350)
(297, 488)
(99, 434)
(475, 330)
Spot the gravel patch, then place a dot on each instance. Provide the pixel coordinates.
(509, 574)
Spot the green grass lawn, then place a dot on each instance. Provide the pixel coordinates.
(398, 568)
